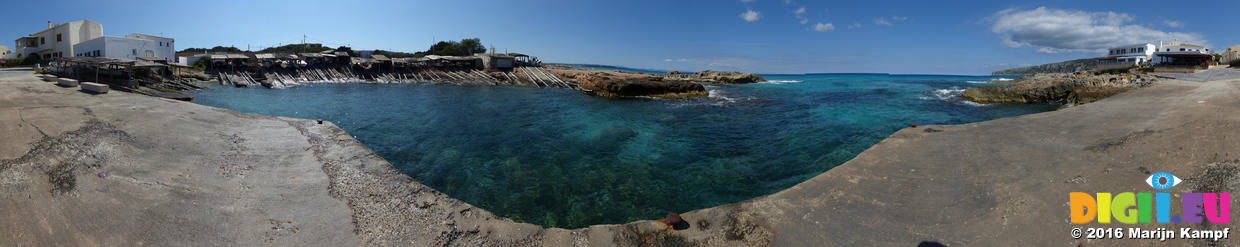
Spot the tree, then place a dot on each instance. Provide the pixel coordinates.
(465, 47)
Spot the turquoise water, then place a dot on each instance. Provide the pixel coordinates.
(558, 158)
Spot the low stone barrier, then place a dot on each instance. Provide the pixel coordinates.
(94, 87)
(66, 82)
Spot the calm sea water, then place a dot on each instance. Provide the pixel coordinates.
(558, 158)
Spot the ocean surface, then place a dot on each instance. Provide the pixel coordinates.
(558, 158)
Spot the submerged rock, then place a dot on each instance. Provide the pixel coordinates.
(1057, 88)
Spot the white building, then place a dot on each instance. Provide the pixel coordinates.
(57, 40)
(1232, 53)
(131, 46)
(6, 53)
(1127, 56)
(1182, 54)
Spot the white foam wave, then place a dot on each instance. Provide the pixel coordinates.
(1003, 79)
(978, 82)
(721, 96)
(951, 94)
(948, 94)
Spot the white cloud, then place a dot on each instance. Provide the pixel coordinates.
(881, 21)
(800, 14)
(1057, 31)
(823, 27)
(751, 16)
(854, 26)
(900, 18)
(1171, 23)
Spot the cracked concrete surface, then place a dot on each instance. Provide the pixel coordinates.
(120, 169)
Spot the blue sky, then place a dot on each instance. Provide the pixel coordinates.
(923, 37)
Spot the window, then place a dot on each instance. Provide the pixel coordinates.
(42, 40)
(96, 53)
(58, 37)
(135, 52)
(1181, 49)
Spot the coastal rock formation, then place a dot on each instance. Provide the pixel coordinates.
(627, 84)
(1057, 88)
(716, 77)
(1060, 67)
(602, 85)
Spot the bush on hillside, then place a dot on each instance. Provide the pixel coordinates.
(1235, 63)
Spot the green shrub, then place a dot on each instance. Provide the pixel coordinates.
(1235, 63)
(10, 62)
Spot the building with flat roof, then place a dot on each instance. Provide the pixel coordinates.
(57, 40)
(1177, 53)
(1232, 53)
(1127, 56)
(131, 46)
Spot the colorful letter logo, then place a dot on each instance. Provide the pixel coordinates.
(1144, 208)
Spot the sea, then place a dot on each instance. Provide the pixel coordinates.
(559, 158)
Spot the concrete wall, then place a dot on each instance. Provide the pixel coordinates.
(164, 47)
(120, 47)
(70, 33)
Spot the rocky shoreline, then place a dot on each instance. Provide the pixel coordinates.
(671, 85)
(1060, 88)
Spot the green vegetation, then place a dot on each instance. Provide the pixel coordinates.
(200, 64)
(1060, 67)
(10, 62)
(1235, 63)
(212, 50)
(465, 47)
(294, 48)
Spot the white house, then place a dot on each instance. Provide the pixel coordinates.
(57, 40)
(131, 46)
(1127, 56)
(1182, 54)
(6, 53)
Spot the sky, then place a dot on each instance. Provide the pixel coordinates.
(759, 36)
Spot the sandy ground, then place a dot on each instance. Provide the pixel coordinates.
(121, 169)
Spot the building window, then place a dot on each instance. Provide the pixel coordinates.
(135, 52)
(58, 37)
(42, 40)
(96, 53)
(1181, 49)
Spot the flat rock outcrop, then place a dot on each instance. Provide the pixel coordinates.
(606, 86)
(1057, 88)
(608, 83)
(714, 77)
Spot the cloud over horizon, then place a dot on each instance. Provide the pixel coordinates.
(1058, 31)
(823, 27)
(751, 16)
